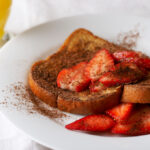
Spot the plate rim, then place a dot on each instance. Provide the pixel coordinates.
(28, 30)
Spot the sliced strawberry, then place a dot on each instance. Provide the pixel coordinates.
(126, 129)
(73, 78)
(144, 63)
(145, 120)
(97, 86)
(121, 112)
(64, 78)
(92, 123)
(79, 80)
(137, 124)
(134, 57)
(102, 62)
(124, 73)
(122, 55)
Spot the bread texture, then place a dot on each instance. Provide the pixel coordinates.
(80, 46)
(137, 93)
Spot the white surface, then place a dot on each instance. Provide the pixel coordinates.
(27, 13)
(12, 139)
(41, 41)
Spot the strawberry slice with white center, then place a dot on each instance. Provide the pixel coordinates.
(73, 78)
(79, 80)
(120, 112)
(64, 78)
(122, 74)
(102, 62)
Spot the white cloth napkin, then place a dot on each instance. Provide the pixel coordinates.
(28, 13)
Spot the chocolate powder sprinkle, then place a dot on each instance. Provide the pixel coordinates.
(26, 101)
(128, 39)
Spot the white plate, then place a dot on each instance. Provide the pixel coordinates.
(17, 56)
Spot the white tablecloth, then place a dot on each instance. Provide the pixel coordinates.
(28, 13)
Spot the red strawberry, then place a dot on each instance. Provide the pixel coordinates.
(124, 73)
(102, 62)
(145, 120)
(126, 129)
(79, 80)
(134, 57)
(96, 86)
(73, 78)
(64, 78)
(92, 123)
(122, 55)
(144, 63)
(137, 124)
(121, 112)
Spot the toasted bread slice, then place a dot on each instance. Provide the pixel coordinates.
(137, 93)
(80, 46)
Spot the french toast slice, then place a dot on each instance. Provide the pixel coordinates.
(137, 93)
(80, 46)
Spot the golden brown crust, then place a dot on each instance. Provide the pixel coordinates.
(103, 43)
(90, 106)
(81, 45)
(137, 93)
(40, 92)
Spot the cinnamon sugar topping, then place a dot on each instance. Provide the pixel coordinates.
(22, 99)
(128, 39)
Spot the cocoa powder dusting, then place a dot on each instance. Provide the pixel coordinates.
(26, 101)
(128, 39)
